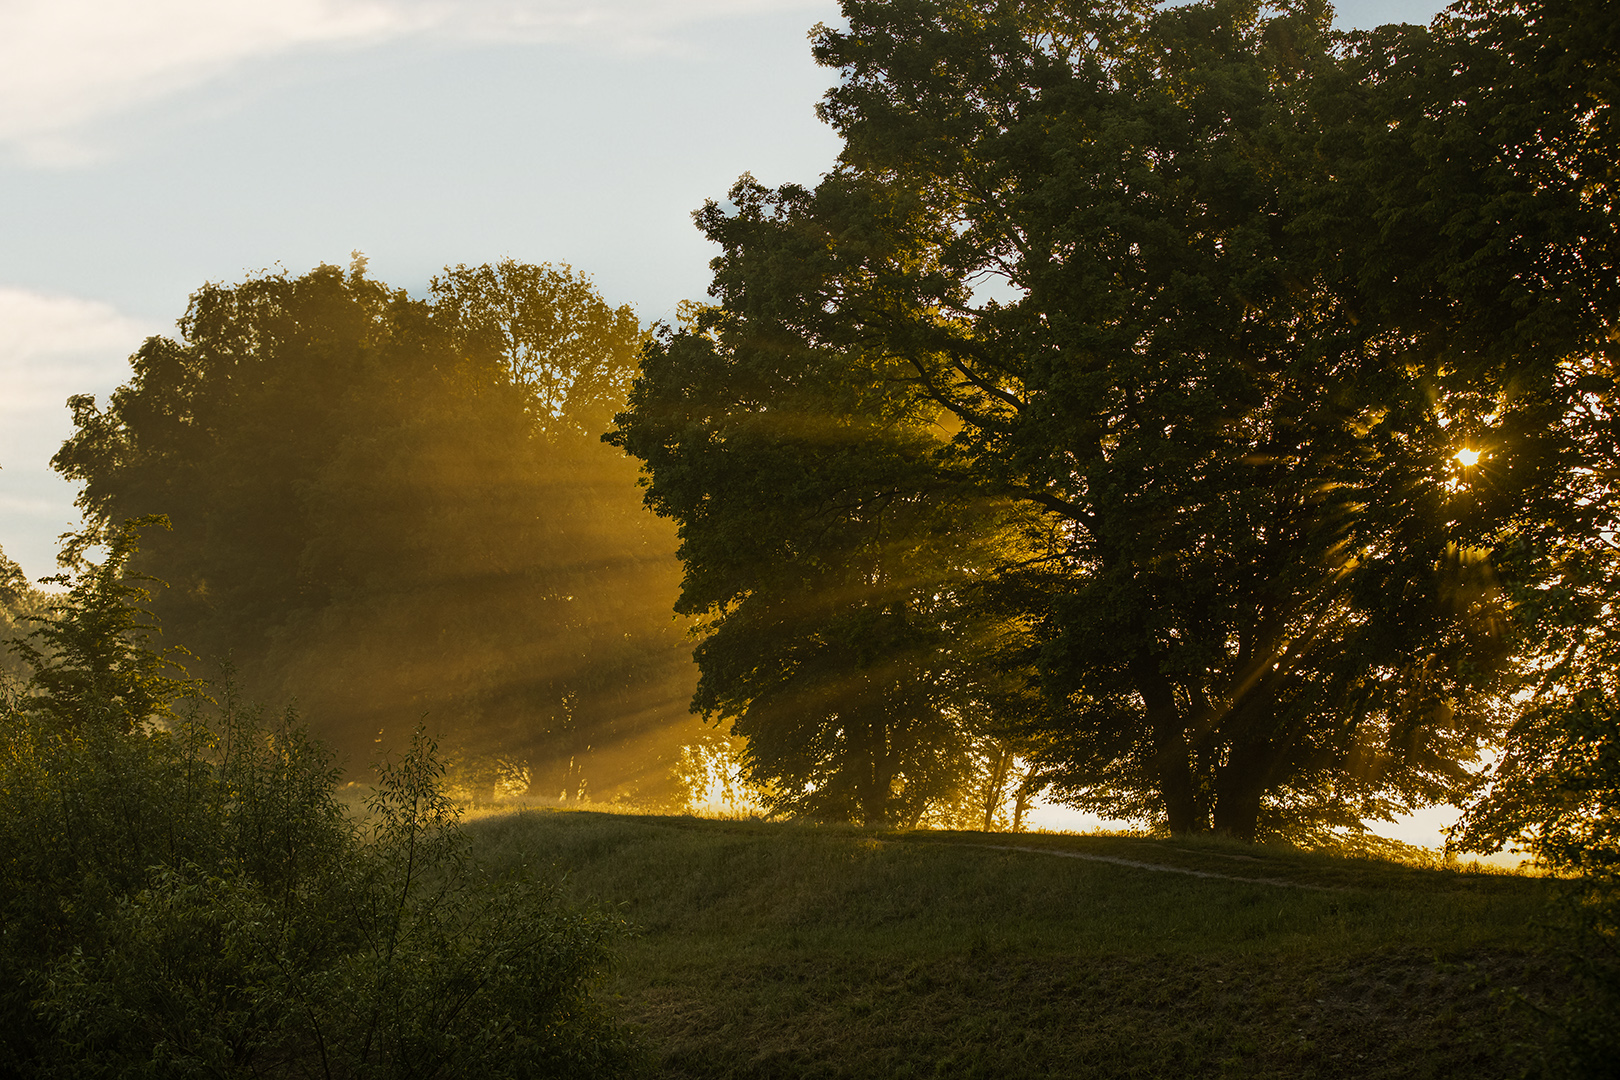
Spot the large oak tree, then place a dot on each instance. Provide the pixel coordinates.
(1219, 296)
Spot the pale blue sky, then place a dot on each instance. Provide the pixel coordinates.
(145, 149)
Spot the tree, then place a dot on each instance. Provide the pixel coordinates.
(1105, 243)
(18, 600)
(1486, 149)
(1521, 234)
(573, 355)
(832, 563)
(388, 508)
(91, 657)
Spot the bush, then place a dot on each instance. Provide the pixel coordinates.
(181, 893)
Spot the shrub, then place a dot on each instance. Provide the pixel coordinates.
(181, 893)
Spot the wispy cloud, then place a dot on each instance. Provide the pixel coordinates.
(66, 64)
(51, 347)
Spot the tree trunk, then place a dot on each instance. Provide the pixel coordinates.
(1027, 789)
(1237, 811)
(876, 777)
(1171, 754)
(1241, 783)
(996, 783)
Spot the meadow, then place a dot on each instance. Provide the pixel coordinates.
(759, 949)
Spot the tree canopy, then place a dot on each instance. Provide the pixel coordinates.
(1226, 304)
(390, 509)
(18, 600)
(836, 566)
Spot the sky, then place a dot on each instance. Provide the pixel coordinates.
(148, 148)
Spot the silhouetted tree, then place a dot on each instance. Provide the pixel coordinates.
(1483, 147)
(833, 562)
(1125, 254)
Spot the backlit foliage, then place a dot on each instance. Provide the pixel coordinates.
(182, 895)
(390, 509)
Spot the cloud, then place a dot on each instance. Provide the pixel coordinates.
(67, 64)
(51, 347)
(54, 346)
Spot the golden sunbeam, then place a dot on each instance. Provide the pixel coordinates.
(1467, 458)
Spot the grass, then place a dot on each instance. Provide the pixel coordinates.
(771, 950)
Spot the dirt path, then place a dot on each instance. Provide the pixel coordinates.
(1161, 868)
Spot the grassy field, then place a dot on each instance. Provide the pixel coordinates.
(770, 950)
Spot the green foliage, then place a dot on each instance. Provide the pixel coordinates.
(18, 600)
(384, 507)
(835, 567)
(91, 656)
(1091, 259)
(573, 355)
(182, 895)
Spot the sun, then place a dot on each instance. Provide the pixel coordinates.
(1467, 457)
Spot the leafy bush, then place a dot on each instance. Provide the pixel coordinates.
(1555, 793)
(181, 894)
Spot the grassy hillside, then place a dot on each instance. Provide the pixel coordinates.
(765, 950)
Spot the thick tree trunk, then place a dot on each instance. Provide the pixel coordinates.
(1171, 762)
(1237, 811)
(876, 778)
(1241, 783)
